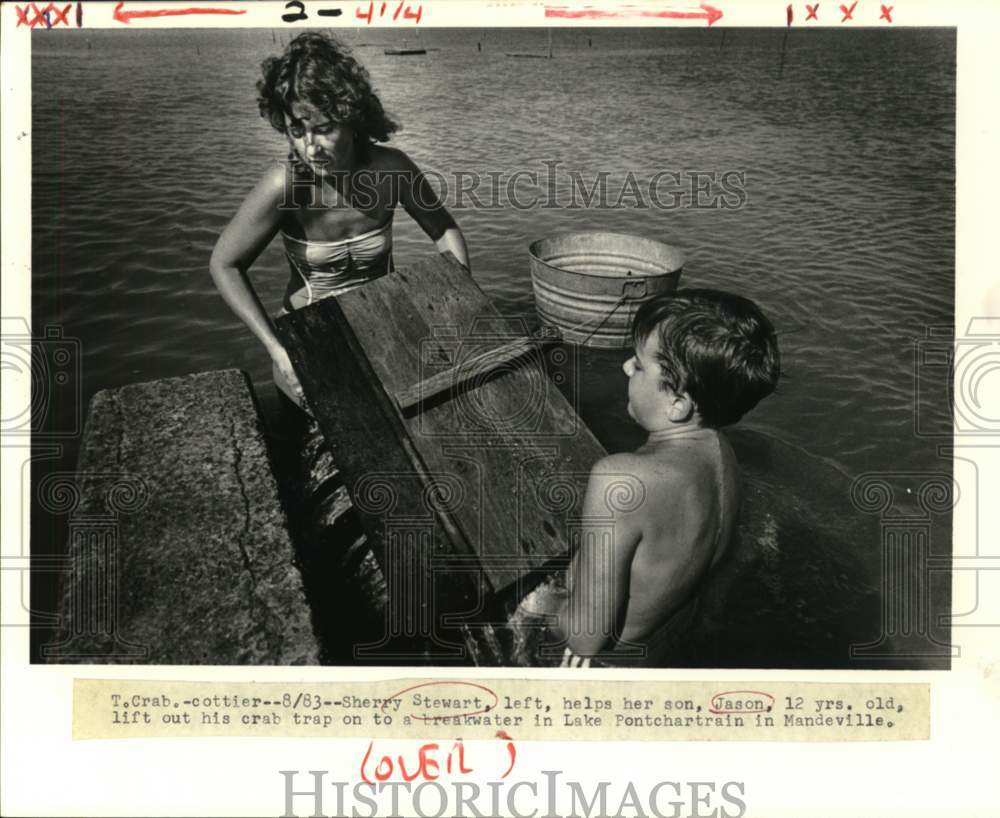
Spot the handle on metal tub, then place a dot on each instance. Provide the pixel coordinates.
(634, 289)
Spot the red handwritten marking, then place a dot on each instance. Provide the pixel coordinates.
(461, 757)
(381, 773)
(42, 16)
(886, 13)
(848, 12)
(426, 767)
(129, 16)
(79, 15)
(709, 13)
(364, 761)
(61, 16)
(486, 709)
(789, 14)
(812, 12)
(719, 711)
(39, 18)
(511, 751)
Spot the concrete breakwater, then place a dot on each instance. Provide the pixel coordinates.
(180, 548)
(197, 535)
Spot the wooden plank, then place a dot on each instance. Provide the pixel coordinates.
(475, 367)
(512, 444)
(386, 480)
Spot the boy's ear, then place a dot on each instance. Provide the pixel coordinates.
(681, 407)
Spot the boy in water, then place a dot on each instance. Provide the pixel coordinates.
(657, 520)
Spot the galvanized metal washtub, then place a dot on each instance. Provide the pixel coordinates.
(589, 284)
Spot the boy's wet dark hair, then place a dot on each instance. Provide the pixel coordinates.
(716, 346)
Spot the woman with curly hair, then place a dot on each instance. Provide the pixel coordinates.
(333, 201)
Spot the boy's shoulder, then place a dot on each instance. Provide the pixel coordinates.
(635, 476)
(643, 463)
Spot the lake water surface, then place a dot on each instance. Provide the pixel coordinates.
(144, 143)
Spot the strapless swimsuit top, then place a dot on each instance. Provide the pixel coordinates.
(324, 268)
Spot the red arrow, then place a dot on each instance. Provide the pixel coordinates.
(129, 16)
(707, 12)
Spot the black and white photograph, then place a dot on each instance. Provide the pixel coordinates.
(499, 408)
(538, 347)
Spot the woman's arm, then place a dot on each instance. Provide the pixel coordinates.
(422, 203)
(245, 237)
(454, 242)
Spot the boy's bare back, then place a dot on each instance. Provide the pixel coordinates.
(657, 520)
(680, 530)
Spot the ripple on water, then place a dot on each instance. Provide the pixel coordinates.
(846, 236)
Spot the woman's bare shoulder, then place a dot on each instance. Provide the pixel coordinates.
(274, 190)
(384, 157)
(255, 222)
(269, 188)
(274, 178)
